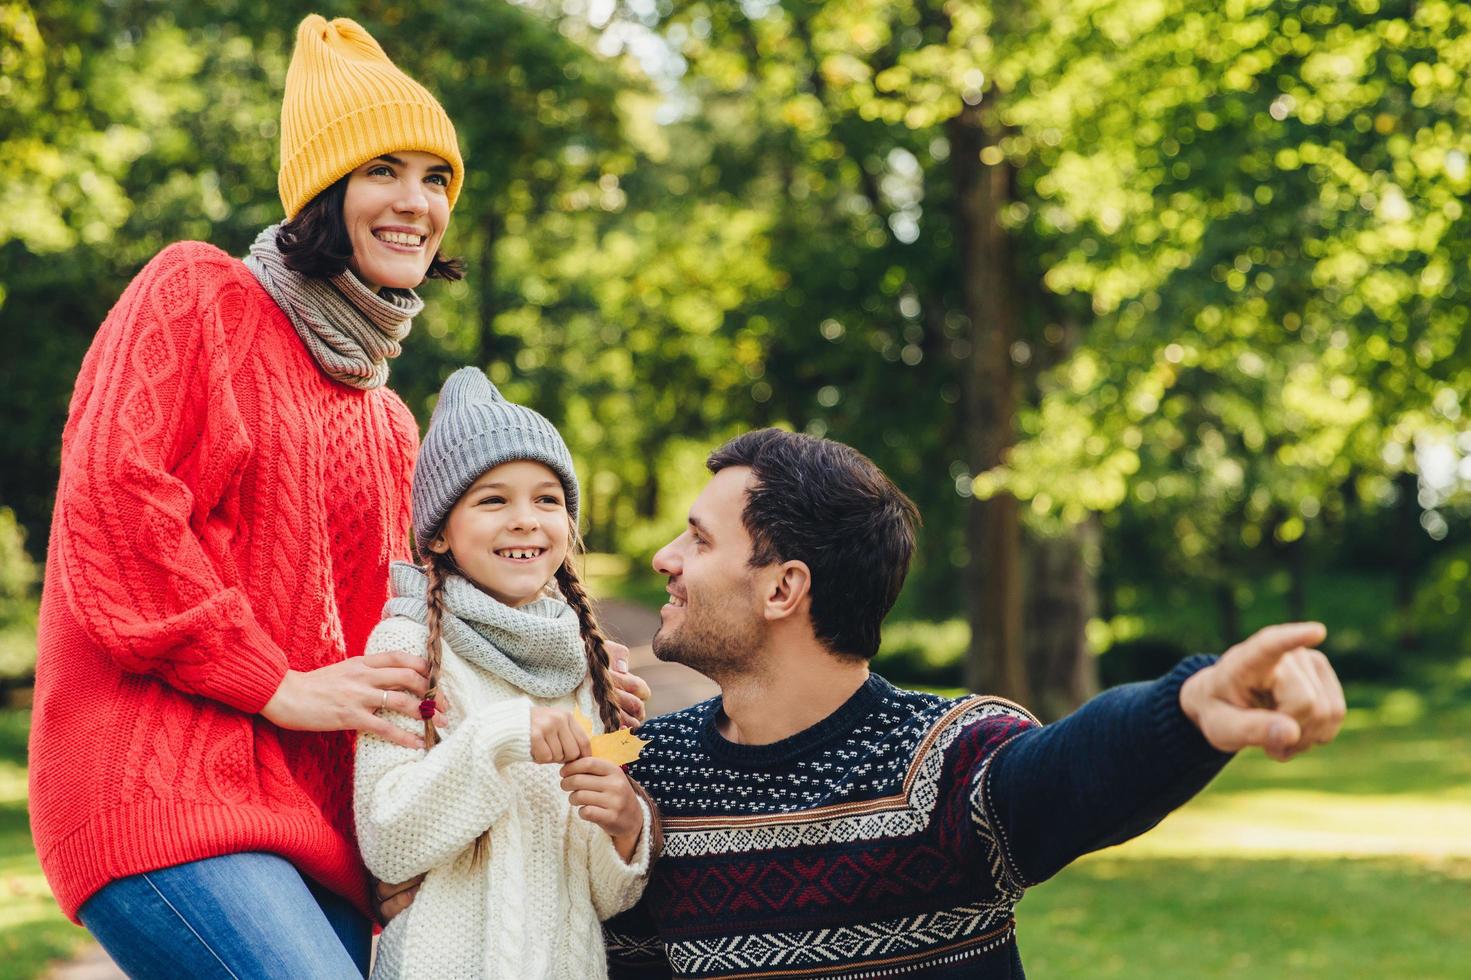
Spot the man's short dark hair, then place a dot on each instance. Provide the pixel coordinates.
(826, 504)
(315, 242)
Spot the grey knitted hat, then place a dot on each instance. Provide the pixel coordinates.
(473, 429)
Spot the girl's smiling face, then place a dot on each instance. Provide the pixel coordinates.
(396, 210)
(509, 533)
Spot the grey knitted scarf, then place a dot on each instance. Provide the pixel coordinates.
(537, 647)
(352, 331)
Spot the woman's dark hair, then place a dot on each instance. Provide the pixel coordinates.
(315, 242)
(826, 504)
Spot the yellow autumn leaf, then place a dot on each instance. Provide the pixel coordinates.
(620, 747)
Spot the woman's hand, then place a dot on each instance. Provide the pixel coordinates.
(556, 737)
(347, 696)
(604, 796)
(631, 691)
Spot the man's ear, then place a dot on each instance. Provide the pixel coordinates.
(789, 590)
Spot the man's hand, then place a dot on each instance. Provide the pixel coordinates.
(1273, 690)
(603, 795)
(631, 691)
(393, 899)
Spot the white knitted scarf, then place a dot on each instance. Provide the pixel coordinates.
(537, 647)
(351, 331)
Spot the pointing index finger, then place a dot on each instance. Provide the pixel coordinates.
(1270, 644)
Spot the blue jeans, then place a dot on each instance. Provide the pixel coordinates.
(243, 916)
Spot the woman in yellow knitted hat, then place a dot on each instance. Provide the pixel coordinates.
(234, 484)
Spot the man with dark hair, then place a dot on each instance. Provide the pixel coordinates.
(820, 822)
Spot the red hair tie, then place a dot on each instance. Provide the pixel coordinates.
(427, 707)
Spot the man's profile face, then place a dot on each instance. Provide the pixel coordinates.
(713, 619)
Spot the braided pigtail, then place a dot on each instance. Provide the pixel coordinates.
(434, 567)
(594, 641)
(439, 569)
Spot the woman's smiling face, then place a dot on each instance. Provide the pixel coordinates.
(396, 210)
(509, 533)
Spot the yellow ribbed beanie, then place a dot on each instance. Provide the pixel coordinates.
(345, 104)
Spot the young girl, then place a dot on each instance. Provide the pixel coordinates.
(523, 858)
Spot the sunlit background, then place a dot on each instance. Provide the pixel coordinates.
(1155, 307)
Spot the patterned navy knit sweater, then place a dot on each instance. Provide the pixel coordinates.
(895, 837)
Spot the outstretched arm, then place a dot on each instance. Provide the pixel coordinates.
(1118, 765)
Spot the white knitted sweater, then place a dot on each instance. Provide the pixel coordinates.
(531, 908)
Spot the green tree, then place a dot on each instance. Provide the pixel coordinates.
(1261, 204)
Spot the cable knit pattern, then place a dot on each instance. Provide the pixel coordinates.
(532, 907)
(225, 512)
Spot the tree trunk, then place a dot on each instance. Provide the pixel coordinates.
(647, 499)
(1297, 581)
(1063, 588)
(1407, 516)
(1106, 586)
(994, 663)
(1060, 601)
(1229, 612)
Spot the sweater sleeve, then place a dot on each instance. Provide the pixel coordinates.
(151, 456)
(1104, 774)
(617, 884)
(417, 809)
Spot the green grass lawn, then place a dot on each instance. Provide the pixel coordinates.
(1277, 918)
(1351, 861)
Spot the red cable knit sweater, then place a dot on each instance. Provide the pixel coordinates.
(225, 512)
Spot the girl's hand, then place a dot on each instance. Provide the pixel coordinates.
(556, 737)
(631, 693)
(605, 797)
(348, 695)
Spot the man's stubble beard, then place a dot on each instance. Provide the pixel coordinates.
(716, 649)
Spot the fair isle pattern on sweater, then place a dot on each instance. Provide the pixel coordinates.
(225, 513)
(860, 831)
(880, 948)
(905, 811)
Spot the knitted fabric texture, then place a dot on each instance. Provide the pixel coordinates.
(225, 513)
(893, 838)
(345, 104)
(472, 430)
(537, 647)
(351, 331)
(530, 907)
